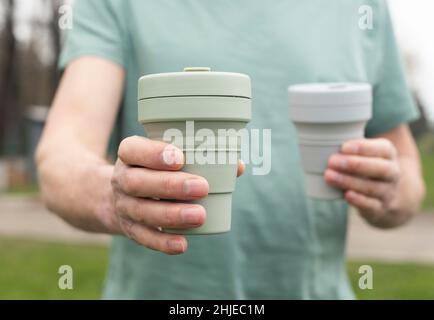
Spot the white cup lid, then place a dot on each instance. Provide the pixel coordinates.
(320, 94)
(330, 102)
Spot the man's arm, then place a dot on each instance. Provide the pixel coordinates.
(73, 173)
(81, 187)
(381, 177)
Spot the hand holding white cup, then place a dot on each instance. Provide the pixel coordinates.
(325, 116)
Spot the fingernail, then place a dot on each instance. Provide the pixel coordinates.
(172, 156)
(191, 215)
(195, 187)
(338, 161)
(332, 175)
(175, 245)
(351, 195)
(342, 163)
(350, 148)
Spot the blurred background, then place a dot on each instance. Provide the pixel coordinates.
(34, 243)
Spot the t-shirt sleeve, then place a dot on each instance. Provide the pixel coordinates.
(393, 102)
(97, 30)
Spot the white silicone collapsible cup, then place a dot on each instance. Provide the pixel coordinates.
(195, 102)
(325, 116)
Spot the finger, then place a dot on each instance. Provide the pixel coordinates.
(153, 238)
(375, 168)
(370, 188)
(380, 147)
(141, 151)
(369, 208)
(241, 168)
(160, 213)
(143, 182)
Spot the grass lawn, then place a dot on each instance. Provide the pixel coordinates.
(28, 270)
(29, 189)
(395, 281)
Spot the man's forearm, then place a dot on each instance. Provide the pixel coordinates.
(77, 187)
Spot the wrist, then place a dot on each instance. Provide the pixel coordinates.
(402, 208)
(390, 218)
(104, 206)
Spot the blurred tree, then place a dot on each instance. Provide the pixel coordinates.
(39, 57)
(55, 36)
(28, 71)
(8, 81)
(30, 42)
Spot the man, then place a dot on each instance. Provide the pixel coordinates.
(282, 244)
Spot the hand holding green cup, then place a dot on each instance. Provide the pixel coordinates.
(201, 113)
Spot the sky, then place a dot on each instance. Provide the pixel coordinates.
(414, 27)
(25, 10)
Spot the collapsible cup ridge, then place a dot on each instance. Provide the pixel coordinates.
(201, 112)
(326, 115)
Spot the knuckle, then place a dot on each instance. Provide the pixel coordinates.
(132, 231)
(141, 237)
(134, 209)
(384, 192)
(391, 172)
(372, 189)
(359, 201)
(385, 171)
(376, 207)
(145, 240)
(171, 215)
(387, 202)
(345, 181)
(128, 210)
(114, 181)
(380, 189)
(363, 145)
(128, 227)
(120, 206)
(155, 242)
(354, 164)
(389, 147)
(131, 183)
(386, 198)
(169, 185)
(124, 148)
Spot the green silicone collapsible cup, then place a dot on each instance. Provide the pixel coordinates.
(200, 112)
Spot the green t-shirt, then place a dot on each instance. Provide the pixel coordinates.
(282, 244)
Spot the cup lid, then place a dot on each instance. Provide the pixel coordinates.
(330, 102)
(322, 94)
(194, 81)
